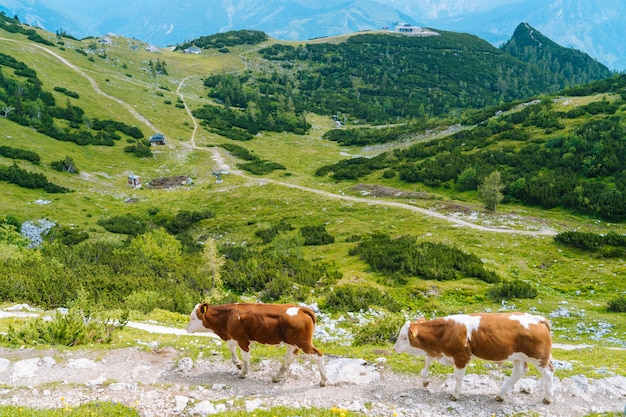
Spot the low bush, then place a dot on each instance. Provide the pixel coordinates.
(580, 240)
(70, 329)
(512, 289)
(316, 235)
(404, 257)
(127, 224)
(618, 305)
(144, 301)
(351, 298)
(267, 235)
(379, 332)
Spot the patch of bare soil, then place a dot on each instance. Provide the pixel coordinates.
(169, 182)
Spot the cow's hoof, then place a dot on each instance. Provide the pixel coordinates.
(453, 398)
(499, 399)
(241, 375)
(276, 379)
(425, 383)
(547, 401)
(322, 383)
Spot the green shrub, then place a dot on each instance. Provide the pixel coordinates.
(239, 151)
(618, 304)
(351, 298)
(273, 275)
(127, 224)
(71, 329)
(261, 167)
(316, 235)
(67, 235)
(144, 300)
(403, 256)
(580, 240)
(611, 252)
(379, 332)
(512, 289)
(267, 235)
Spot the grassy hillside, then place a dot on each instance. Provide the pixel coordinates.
(262, 223)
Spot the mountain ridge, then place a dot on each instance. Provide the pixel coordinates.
(582, 24)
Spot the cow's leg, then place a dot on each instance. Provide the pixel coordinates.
(428, 360)
(459, 373)
(290, 356)
(319, 360)
(519, 370)
(317, 355)
(232, 345)
(245, 356)
(548, 376)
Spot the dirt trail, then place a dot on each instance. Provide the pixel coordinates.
(162, 381)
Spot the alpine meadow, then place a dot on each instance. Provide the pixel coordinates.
(376, 173)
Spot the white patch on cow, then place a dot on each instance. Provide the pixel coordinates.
(471, 323)
(526, 319)
(293, 311)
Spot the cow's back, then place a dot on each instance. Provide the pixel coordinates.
(276, 323)
(500, 335)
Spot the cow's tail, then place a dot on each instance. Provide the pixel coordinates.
(309, 313)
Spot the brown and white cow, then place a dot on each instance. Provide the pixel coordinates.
(455, 340)
(240, 324)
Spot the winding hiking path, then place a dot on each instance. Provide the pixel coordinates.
(93, 83)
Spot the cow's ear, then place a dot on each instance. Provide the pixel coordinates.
(203, 308)
(413, 330)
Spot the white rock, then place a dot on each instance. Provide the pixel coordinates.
(48, 361)
(98, 381)
(19, 307)
(562, 365)
(81, 363)
(203, 408)
(525, 385)
(252, 405)
(25, 368)
(184, 365)
(180, 402)
(121, 386)
(4, 364)
(615, 385)
(351, 371)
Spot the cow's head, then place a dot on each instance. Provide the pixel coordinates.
(195, 319)
(407, 339)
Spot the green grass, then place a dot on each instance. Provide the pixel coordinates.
(118, 410)
(92, 409)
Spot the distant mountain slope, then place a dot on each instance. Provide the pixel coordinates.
(529, 45)
(380, 78)
(596, 28)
